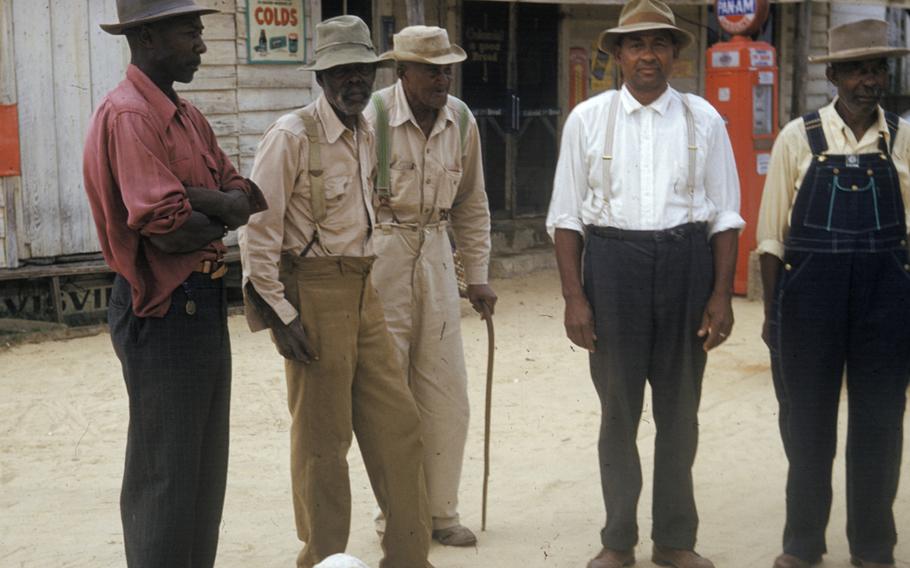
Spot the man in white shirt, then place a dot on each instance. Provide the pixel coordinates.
(658, 229)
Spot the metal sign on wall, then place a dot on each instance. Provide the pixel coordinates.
(275, 31)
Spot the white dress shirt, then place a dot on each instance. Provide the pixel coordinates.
(649, 169)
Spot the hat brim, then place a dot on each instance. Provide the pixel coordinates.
(118, 29)
(455, 55)
(609, 38)
(342, 55)
(860, 54)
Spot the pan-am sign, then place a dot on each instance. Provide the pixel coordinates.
(741, 17)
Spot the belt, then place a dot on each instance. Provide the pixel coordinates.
(677, 233)
(214, 268)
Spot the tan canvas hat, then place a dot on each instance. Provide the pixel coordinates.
(342, 40)
(424, 44)
(642, 16)
(865, 39)
(134, 13)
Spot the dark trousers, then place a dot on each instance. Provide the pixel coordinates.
(177, 371)
(835, 313)
(648, 299)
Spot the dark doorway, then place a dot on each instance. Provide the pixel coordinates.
(510, 82)
(363, 9)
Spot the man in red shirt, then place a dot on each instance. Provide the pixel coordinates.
(163, 194)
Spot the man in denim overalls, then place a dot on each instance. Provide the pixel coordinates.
(833, 241)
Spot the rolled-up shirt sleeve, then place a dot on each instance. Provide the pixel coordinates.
(780, 190)
(570, 182)
(154, 198)
(471, 212)
(722, 179)
(274, 172)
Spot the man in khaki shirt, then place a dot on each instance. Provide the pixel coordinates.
(307, 264)
(832, 234)
(430, 176)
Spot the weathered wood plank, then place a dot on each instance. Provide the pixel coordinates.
(270, 99)
(226, 6)
(7, 55)
(109, 54)
(212, 78)
(256, 122)
(224, 124)
(273, 76)
(213, 102)
(220, 52)
(73, 108)
(35, 88)
(229, 145)
(219, 26)
(249, 143)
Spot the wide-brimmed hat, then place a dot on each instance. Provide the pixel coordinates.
(342, 40)
(641, 16)
(424, 44)
(865, 39)
(134, 13)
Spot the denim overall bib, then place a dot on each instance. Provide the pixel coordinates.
(843, 303)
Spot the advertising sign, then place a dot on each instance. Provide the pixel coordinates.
(275, 31)
(578, 75)
(741, 17)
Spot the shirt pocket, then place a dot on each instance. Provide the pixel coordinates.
(405, 185)
(449, 182)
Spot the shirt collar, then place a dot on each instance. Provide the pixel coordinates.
(630, 104)
(401, 110)
(160, 103)
(332, 125)
(879, 127)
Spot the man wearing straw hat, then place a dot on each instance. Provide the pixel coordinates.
(832, 234)
(646, 189)
(163, 195)
(430, 177)
(307, 265)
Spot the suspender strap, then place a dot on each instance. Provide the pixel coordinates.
(693, 155)
(315, 171)
(383, 151)
(317, 187)
(893, 121)
(817, 142)
(463, 118)
(608, 155)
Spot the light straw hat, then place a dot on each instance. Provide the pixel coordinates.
(865, 39)
(424, 44)
(132, 13)
(342, 40)
(642, 16)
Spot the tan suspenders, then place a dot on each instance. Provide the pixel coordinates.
(317, 181)
(608, 154)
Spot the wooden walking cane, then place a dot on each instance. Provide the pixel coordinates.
(491, 346)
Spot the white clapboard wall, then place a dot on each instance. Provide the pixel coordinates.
(65, 64)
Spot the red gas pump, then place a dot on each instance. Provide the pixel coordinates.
(741, 83)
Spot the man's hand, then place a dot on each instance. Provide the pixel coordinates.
(232, 207)
(235, 209)
(480, 295)
(717, 321)
(293, 343)
(580, 322)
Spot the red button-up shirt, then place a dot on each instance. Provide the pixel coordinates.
(142, 150)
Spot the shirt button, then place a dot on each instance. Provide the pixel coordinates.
(854, 187)
(903, 242)
(870, 172)
(428, 150)
(836, 171)
(788, 266)
(907, 267)
(427, 181)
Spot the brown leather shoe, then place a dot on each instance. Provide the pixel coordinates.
(609, 558)
(863, 564)
(679, 558)
(789, 561)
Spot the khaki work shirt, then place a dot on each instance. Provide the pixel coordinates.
(281, 171)
(791, 158)
(430, 175)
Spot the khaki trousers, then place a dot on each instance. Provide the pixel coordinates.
(415, 277)
(356, 385)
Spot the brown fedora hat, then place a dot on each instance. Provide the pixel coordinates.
(134, 13)
(865, 39)
(424, 44)
(642, 16)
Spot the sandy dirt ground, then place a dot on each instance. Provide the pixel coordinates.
(63, 417)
